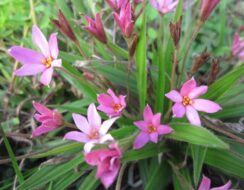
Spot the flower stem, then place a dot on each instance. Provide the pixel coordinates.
(120, 177)
(80, 50)
(69, 125)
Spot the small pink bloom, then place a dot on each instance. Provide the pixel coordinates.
(95, 27)
(125, 19)
(50, 119)
(238, 47)
(186, 102)
(206, 183)
(93, 130)
(116, 4)
(150, 128)
(207, 8)
(164, 6)
(111, 104)
(35, 62)
(107, 162)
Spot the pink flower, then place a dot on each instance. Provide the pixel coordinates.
(125, 19)
(116, 4)
(207, 8)
(50, 119)
(186, 102)
(150, 128)
(107, 162)
(238, 47)
(95, 27)
(93, 130)
(35, 62)
(164, 6)
(111, 104)
(206, 182)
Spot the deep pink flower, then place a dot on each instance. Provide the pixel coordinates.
(50, 119)
(35, 62)
(107, 162)
(95, 27)
(93, 130)
(150, 128)
(206, 183)
(238, 47)
(125, 19)
(111, 104)
(186, 102)
(207, 8)
(116, 4)
(164, 6)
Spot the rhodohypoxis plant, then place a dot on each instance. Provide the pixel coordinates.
(93, 130)
(150, 128)
(187, 102)
(50, 119)
(206, 184)
(35, 62)
(238, 47)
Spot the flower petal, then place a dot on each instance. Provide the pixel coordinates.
(148, 114)
(94, 118)
(76, 136)
(81, 123)
(29, 70)
(41, 108)
(53, 45)
(154, 137)
(114, 97)
(88, 146)
(106, 138)
(46, 76)
(107, 179)
(224, 187)
(156, 119)
(193, 116)
(142, 125)
(174, 96)
(206, 106)
(205, 184)
(25, 55)
(187, 87)
(178, 110)
(40, 41)
(42, 130)
(106, 125)
(105, 99)
(198, 91)
(140, 140)
(57, 63)
(164, 129)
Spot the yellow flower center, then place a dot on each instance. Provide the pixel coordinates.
(93, 134)
(186, 101)
(47, 62)
(116, 107)
(151, 129)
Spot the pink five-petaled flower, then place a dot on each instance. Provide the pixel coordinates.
(50, 119)
(164, 6)
(125, 19)
(93, 130)
(238, 47)
(150, 128)
(35, 62)
(206, 183)
(107, 162)
(111, 104)
(186, 102)
(207, 8)
(95, 27)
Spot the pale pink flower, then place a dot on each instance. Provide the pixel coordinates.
(238, 47)
(49, 119)
(111, 104)
(34, 62)
(124, 19)
(164, 6)
(95, 27)
(107, 162)
(207, 8)
(93, 130)
(206, 183)
(150, 128)
(186, 102)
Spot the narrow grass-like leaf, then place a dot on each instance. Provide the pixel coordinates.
(179, 10)
(118, 51)
(196, 135)
(90, 182)
(141, 64)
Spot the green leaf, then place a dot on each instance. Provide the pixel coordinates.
(118, 51)
(198, 154)
(90, 182)
(196, 135)
(230, 112)
(141, 64)
(179, 10)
